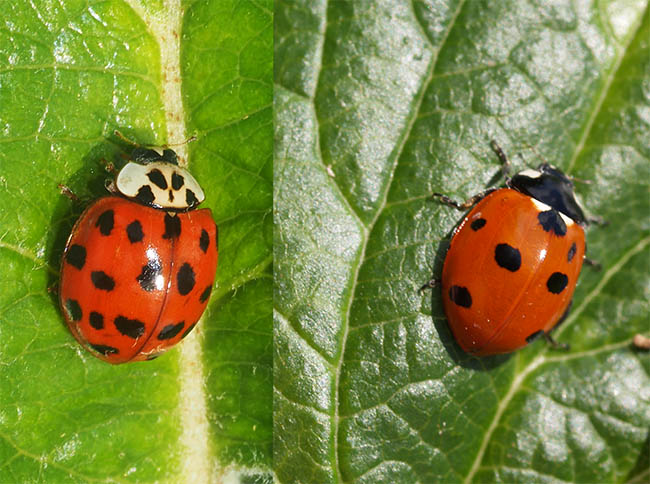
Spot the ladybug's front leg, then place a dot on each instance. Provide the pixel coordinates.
(505, 164)
(68, 193)
(505, 168)
(470, 202)
(595, 265)
(109, 166)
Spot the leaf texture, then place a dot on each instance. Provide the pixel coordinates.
(70, 74)
(378, 105)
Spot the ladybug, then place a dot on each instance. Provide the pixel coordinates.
(139, 265)
(513, 262)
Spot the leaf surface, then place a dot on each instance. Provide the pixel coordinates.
(71, 73)
(378, 105)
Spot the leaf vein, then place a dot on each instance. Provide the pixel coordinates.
(609, 79)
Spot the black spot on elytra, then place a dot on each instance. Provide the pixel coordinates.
(73, 309)
(557, 282)
(190, 198)
(177, 181)
(205, 294)
(145, 195)
(129, 327)
(188, 331)
(76, 256)
(105, 222)
(185, 279)
(96, 320)
(171, 330)
(157, 178)
(102, 281)
(149, 274)
(204, 241)
(134, 232)
(172, 227)
(104, 350)
(507, 257)
(478, 224)
(534, 336)
(572, 252)
(460, 296)
(551, 220)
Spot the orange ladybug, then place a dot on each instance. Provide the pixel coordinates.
(513, 262)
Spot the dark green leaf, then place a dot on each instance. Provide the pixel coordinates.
(379, 104)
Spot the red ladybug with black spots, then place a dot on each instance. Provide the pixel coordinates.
(513, 262)
(138, 267)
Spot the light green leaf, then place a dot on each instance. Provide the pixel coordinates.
(71, 72)
(379, 104)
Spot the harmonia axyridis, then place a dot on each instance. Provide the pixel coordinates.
(138, 268)
(513, 262)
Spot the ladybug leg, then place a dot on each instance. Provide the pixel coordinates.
(549, 339)
(592, 263)
(555, 344)
(109, 166)
(505, 164)
(470, 202)
(447, 201)
(430, 285)
(109, 184)
(67, 192)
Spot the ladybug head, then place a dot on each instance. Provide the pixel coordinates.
(552, 187)
(151, 154)
(154, 178)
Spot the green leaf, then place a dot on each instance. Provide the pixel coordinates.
(72, 72)
(379, 104)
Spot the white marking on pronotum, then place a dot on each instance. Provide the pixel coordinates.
(542, 207)
(567, 220)
(530, 173)
(196, 459)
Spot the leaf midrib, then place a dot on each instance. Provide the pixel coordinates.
(195, 459)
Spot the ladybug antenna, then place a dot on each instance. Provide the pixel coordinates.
(572, 178)
(187, 141)
(125, 139)
(580, 180)
(167, 145)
